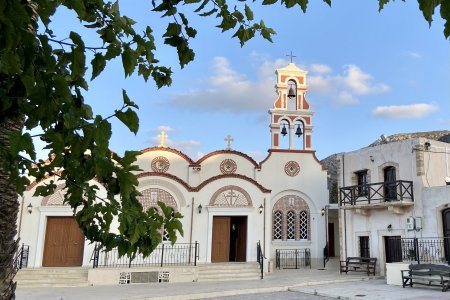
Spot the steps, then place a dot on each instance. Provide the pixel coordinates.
(228, 272)
(52, 277)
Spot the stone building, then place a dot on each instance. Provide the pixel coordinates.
(393, 191)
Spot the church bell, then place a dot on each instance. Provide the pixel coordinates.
(291, 93)
(284, 131)
(298, 131)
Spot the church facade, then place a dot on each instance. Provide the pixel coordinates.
(229, 201)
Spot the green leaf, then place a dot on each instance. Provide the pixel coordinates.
(201, 6)
(427, 7)
(130, 119)
(172, 29)
(98, 65)
(445, 14)
(381, 4)
(248, 13)
(127, 101)
(102, 136)
(22, 142)
(269, 2)
(208, 13)
(129, 61)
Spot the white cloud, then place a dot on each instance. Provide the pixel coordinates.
(344, 88)
(227, 90)
(412, 54)
(413, 111)
(163, 128)
(346, 98)
(320, 69)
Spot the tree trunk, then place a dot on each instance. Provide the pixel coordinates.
(9, 208)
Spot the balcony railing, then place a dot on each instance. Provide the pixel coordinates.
(376, 193)
(179, 254)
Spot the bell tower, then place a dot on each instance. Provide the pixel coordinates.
(290, 115)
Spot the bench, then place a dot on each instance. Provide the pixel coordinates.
(358, 264)
(427, 274)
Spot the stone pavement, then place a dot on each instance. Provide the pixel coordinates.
(315, 282)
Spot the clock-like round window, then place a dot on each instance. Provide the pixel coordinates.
(292, 168)
(160, 164)
(228, 166)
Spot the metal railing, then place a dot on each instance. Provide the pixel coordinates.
(292, 258)
(20, 260)
(375, 193)
(22, 257)
(180, 254)
(425, 250)
(260, 258)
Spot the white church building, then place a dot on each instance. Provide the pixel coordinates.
(229, 201)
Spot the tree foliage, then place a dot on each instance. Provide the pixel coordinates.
(43, 81)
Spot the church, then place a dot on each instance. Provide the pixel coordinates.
(230, 202)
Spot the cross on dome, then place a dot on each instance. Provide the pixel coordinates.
(229, 141)
(162, 137)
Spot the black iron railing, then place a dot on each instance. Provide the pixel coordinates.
(375, 193)
(260, 258)
(180, 254)
(22, 257)
(425, 250)
(292, 258)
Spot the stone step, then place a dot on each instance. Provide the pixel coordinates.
(228, 272)
(52, 277)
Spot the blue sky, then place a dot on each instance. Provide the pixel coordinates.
(370, 73)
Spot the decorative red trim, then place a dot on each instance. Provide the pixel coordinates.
(198, 162)
(167, 149)
(204, 183)
(313, 152)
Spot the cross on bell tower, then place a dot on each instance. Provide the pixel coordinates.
(291, 115)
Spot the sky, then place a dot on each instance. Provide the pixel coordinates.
(369, 73)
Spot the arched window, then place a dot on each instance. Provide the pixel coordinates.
(290, 228)
(303, 225)
(277, 225)
(291, 220)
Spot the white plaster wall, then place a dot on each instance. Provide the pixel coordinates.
(178, 165)
(436, 199)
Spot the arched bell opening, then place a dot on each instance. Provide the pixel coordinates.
(299, 138)
(285, 132)
(291, 98)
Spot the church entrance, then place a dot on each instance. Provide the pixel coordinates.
(64, 243)
(229, 239)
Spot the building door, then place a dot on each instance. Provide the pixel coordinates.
(64, 243)
(229, 239)
(393, 248)
(331, 240)
(390, 191)
(446, 232)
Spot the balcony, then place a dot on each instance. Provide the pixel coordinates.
(382, 194)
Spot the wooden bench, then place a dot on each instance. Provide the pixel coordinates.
(358, 264)
(427, 274)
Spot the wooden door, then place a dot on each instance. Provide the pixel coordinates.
(64, 243)
(241, 240)
(220, 250)
(393, 247)
(331, 240)
(390, 190)
(446, 232)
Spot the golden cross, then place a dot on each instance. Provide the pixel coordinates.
(162, 136)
